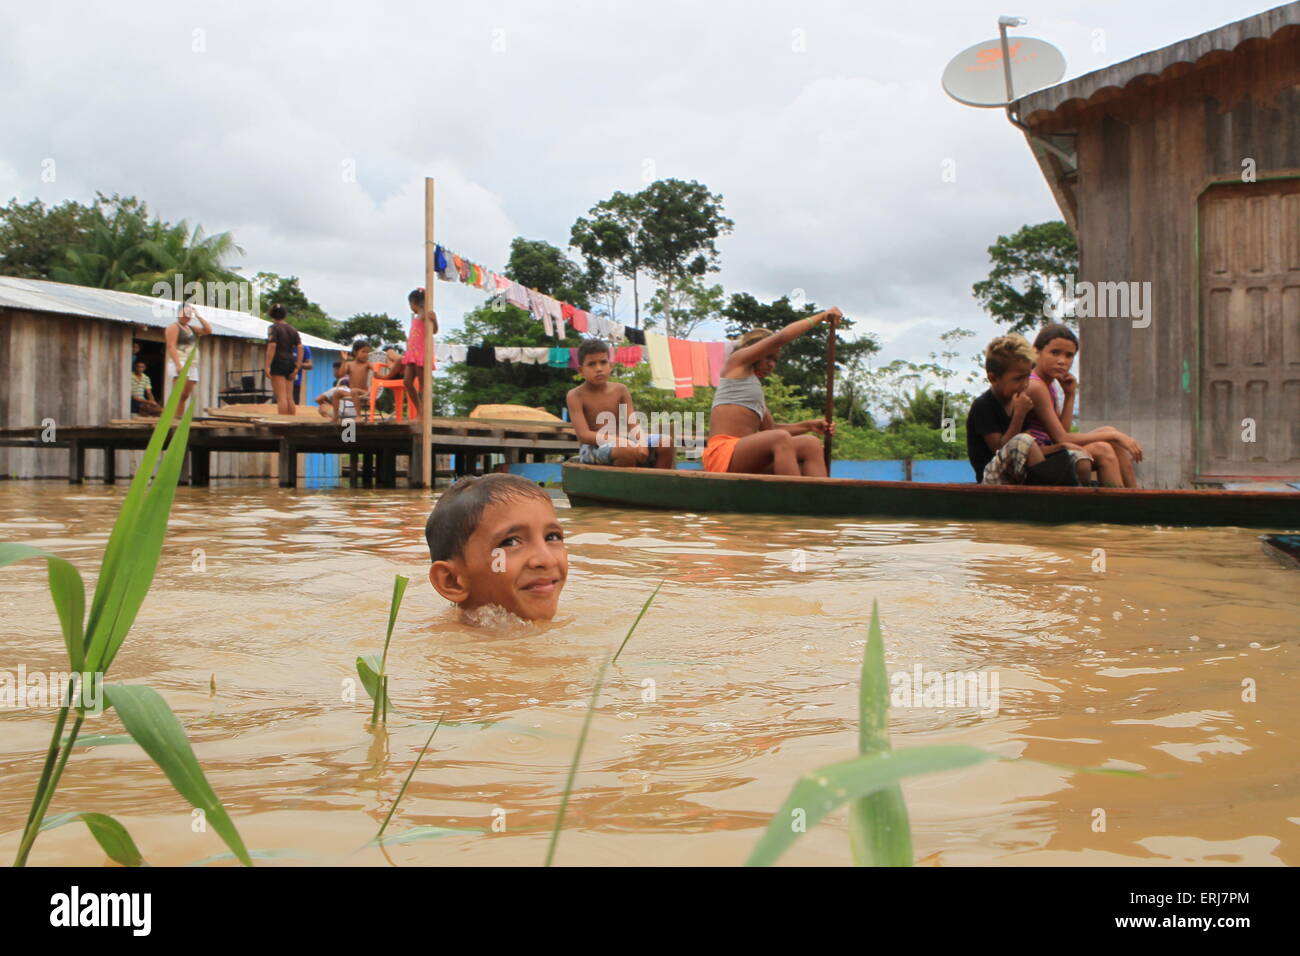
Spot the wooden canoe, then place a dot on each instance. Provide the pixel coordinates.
(698, 491)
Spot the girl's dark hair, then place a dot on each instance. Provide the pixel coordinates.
(278, 312)
(416, 297)
(461, 506)
(1055, 331)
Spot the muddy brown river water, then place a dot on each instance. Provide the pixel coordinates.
(1171, 651)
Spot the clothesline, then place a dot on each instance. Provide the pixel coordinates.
(677, 364)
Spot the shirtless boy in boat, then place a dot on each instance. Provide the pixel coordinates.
(597, 404)
(496, 540)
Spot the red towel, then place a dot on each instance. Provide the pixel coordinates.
(579, 320)
(717, 358)
(699, 364)
(679, 350)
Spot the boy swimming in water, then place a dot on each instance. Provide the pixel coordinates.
(496, 540)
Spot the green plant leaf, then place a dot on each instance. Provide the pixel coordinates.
(152, 725)
(108, 833)
(577, 758)
(819, 792)
(131, 555)
(66, 591)
(100, 740)
(253, 854)
(417, 834)
(644, 607)
(880, 832)
(399, 589)
(369, 671)
(405, 783)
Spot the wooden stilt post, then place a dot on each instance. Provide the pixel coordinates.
(426, 377)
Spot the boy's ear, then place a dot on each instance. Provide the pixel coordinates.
(448, 581)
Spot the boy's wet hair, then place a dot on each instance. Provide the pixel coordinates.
(416, 298)
(278, 312)
(1055, 331)
(359, 344)
(1006, 352)
(461, 506)
(591, 347)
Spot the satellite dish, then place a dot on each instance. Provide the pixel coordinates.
(977, 75)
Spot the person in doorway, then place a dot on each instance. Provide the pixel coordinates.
(142, 400)
(180, 340)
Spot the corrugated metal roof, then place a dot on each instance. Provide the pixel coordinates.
(39, 295)
(1224, 39)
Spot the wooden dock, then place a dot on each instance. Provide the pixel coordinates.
(374, 447)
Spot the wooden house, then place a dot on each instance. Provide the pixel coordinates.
(1181, 168)
(67, 351)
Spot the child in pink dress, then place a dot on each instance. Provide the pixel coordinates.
(413, 360)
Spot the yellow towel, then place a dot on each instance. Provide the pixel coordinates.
(661, 363)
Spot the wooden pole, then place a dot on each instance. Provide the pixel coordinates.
(830, 391)
(426, 373)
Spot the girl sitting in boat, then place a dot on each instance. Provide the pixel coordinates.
(742, 436)
(1052, 389)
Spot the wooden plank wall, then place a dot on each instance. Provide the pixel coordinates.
(75, 371)
(1145, 154)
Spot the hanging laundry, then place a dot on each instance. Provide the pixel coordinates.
(481, 356)
(517, 296)
(699, 364)
(462, 267)
(580, 320)
(567, 311)
(559, 358)
(635, 336)
(628, 355)
(442, 353)
(508, 353)
(537, 305)
(501, 283)
(679, 351)
(459, 353)
(661, 363)
(717, 358)
(554, 311)
(535, 355)
(573, 359)
(440, 263)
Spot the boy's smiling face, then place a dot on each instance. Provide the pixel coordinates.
(515, 558)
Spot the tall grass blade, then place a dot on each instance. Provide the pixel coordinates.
(399, 589)
(67, 592)
(577, 758)
(880, 833)
(644, 607)
(406, 783)
(823, 790)
(108, 833)
(122, 542)
(154, 727)
(368, 671)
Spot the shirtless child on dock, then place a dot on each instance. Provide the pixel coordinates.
(596, 403)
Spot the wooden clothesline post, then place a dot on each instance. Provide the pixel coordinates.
(830, 392)
(426, 373)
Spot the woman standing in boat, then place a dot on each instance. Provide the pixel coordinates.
(742, 436)
(180, 340)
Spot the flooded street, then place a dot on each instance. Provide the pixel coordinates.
(1170, 651)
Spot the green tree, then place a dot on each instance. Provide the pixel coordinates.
(680, 223)
(802, 363)
(302, 313)
(610, 243)
(1025, 268)
(34, 239)
(377, 328)
(544, 267)
(695, 303)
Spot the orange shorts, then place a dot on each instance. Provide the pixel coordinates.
(718, 451)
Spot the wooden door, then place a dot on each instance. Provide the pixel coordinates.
(1250, 330)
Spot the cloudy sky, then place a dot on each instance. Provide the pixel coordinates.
(822, 124)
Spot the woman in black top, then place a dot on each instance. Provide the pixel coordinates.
(283, 360)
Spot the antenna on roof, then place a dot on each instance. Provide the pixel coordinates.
(1027, 64)
(971, 77)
